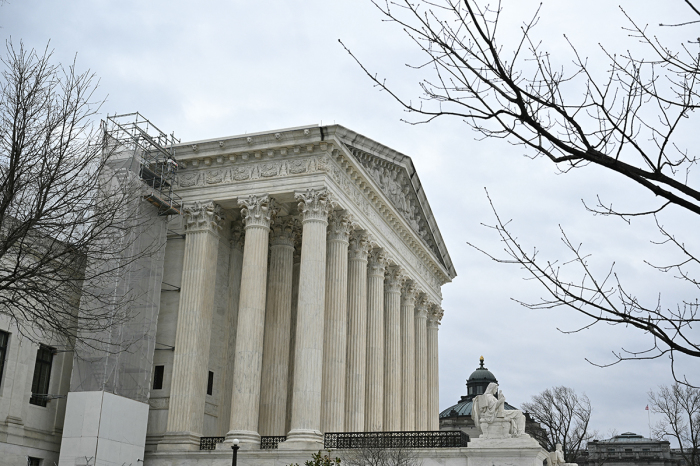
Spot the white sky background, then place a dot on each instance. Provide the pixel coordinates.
(214, 68)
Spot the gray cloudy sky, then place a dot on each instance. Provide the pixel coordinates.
(217, 68)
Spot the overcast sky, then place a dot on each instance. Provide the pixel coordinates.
(209, 69)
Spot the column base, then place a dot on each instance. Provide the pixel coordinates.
(179, 441)
(249, 440)
(302, 439)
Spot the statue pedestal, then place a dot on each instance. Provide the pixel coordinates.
(514, 451)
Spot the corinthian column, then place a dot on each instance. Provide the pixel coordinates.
(257, 213)
(408, 358)
(335, 329)
(392, 349)
(314, 206)
(193, 333)
(278, 313)
(374, 395)
(421, 315)
(357, 333)
(433, 383)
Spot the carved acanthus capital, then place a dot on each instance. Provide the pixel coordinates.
(408, 293)
(203, 216)
(283, 232)
(359, 245)
(314, 204)
(376, 262)
(339, 226)
(421, 307)
(393, 280)
(257, 210)
(435, 314)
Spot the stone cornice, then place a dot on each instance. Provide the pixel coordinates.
(203, 216)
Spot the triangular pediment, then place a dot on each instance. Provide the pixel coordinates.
(395, 178)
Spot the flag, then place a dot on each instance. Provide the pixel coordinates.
(647, 408)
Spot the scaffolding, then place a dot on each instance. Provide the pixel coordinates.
(153, 155)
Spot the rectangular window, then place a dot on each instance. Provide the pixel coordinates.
(42, 373)
(4, 340)
(31, 461)
(158, 378)
(210, 384)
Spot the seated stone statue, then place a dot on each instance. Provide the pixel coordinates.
(556, 457)
(496, 422)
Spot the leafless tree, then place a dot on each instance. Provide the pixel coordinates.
(629, 119)
(66, 215)
(679, 406)
(565, 416)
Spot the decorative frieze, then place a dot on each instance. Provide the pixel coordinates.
(257, 210)
(203, 216)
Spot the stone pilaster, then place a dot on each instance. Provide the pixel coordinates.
(275, 363)
(258, 213)
(314, 206)
(335, 329)
(357, 333)
(434, 317)
(374, 394)
(408, 357)
(234, 294)
(392, 349)
(193, 333)
(421, 317)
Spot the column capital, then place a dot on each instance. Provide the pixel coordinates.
(394, 279)
(359, 245)
(409, 293)
(283, 232)
(435, 314)
(377, 262)
(257, 210)
(421, 309)
(314, 204)
(203, 216)
(339, 226)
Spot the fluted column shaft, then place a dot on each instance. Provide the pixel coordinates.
(392, 350)
(275, 363)
(234, 294)
(193, 333)
(408, 358)
(357, 333)
(314, 206)
(421, 317)
(257, 213)
(335, 328)
(374, 394)
(293, 333)
(433, 381)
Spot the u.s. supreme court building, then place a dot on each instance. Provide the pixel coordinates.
(300, 295)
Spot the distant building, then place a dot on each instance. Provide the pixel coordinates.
(629, 449)
(459, 416)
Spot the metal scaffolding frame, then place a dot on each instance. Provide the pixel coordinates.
(154, 152)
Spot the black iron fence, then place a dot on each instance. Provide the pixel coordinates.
(426, 439)
(271, 442)
(209, 443)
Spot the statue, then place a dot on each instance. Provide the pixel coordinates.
(495, 421)
(556, 457)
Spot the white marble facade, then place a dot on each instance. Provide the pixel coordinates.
(306, 275)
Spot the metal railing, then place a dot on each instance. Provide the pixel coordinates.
(271, 442)
(425, 439)
(209, 443)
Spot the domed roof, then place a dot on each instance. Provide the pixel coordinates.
(481, 377)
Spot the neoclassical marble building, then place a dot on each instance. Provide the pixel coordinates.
(306, 273)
